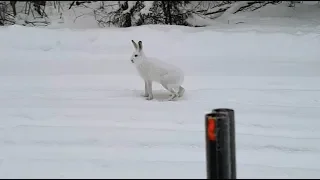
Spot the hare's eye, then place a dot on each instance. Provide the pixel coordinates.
(136, 55)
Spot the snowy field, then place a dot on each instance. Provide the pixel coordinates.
(70, 104)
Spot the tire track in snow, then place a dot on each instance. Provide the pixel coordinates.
(126, 137)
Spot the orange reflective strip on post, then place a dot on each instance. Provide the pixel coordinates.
(211, 129)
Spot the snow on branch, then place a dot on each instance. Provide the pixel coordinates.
(233, 8)
(221, 9)
(147, 6)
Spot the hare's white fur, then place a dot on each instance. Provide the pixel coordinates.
(153, 70)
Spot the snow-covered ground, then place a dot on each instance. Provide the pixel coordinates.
(70, 104)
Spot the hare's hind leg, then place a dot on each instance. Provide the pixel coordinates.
(170, 90)
(174, 94)
(181, 91)
(170, 83)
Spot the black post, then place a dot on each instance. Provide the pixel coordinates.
(220, 144)
(232, 139)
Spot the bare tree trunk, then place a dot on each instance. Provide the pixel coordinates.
(169, 12)
(164, 9)
(37, 5)
(71, 4)
(13, 5)
(2, 13)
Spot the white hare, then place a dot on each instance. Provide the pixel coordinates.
(153, 70)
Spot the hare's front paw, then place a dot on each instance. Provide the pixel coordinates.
(149, 97)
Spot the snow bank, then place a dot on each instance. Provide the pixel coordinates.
(165, 41)
(276, 16)
(112, 48)
(303, 16)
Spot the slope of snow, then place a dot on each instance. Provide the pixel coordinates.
(304, 16)
(71, 106)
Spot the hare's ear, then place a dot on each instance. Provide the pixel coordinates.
(134, 44)
(140, 45)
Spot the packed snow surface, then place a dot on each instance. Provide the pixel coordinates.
(71, 104)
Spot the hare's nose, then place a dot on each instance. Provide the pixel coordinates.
(131, 60)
